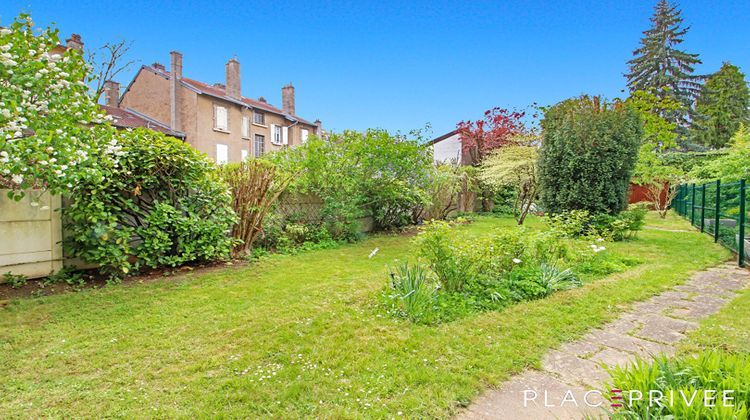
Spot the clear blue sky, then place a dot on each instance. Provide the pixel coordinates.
(399, 65)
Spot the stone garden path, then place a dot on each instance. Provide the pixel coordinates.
(652, 326)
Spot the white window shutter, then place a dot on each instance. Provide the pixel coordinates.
(285, 135)
(245, 126)
(272, 129)
(304, 135)
(244, 155)
(222, 153)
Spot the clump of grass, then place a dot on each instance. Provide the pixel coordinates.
(680, 379)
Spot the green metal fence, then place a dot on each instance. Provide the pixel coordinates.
(719, 209)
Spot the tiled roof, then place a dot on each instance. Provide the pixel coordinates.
(221, 92)
(128, 118)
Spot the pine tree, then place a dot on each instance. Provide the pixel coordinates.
(660, 67)
(722, 106)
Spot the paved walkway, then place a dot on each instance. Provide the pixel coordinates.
(652, 326)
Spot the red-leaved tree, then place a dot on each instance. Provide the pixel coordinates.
(478, 138)
(496, 129)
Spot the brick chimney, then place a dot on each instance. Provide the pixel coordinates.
(112, 93)
(174, 89)
(318, 128)
(287, 99)
(234, 89)
(74, 42)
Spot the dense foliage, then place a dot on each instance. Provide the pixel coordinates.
(163, 206)
(255, 187)
(358, 174)
(515, 166)
(723, 104)
(456, 276)
(731, 166)
(682, 382)
(582, 224)
(588, 154)
(52, 134)
(660, 66)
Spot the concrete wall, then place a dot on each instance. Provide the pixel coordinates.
(30, 235)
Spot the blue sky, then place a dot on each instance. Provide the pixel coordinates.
(399, 65)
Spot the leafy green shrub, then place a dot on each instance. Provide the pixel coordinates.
(506, 266)
(580, 223)
(710, 370)
(588, 154)
(452, 264)
(163, 206)
(357, 174)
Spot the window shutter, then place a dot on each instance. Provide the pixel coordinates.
(244, 155)
(304, 135)
(273, 133)
(215, 110)
(245, 127)
(222, 154)
(285, 135)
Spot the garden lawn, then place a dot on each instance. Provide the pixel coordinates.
(300, 336)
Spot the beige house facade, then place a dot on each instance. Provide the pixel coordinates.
(214, 118)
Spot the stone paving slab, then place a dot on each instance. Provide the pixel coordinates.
(576, 368)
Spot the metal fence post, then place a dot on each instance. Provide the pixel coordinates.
(741, 242)
(692, 207)
(717, 211)
(703, 207)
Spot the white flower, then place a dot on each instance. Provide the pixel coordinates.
(18, 179)
(600, 240)
(516, 261)
(4, 31)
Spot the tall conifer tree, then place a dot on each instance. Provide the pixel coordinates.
(721, 107)
(661, 67)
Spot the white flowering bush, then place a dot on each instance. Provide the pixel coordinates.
(52, 134)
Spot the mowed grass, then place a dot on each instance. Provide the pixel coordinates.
(300, 336)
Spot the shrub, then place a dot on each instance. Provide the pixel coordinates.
(255, 187)
(588, 153)
(441, 247)
(710, 370)
(163, 206)
(489, 273)
(580, 223)
(52, 134)
(444, 189)
(358, 174)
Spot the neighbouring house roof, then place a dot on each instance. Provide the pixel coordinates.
(129, 118)
(220, 92)
(443, 137)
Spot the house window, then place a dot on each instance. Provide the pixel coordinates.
(244, 155)
(222, 154)
(259, 118)
(304, 135)
(260, 145)
(246, 127)
(221, 118)
(277, 136)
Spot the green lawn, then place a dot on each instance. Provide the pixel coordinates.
(300, 336)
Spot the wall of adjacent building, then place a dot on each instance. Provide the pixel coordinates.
(30, 235)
